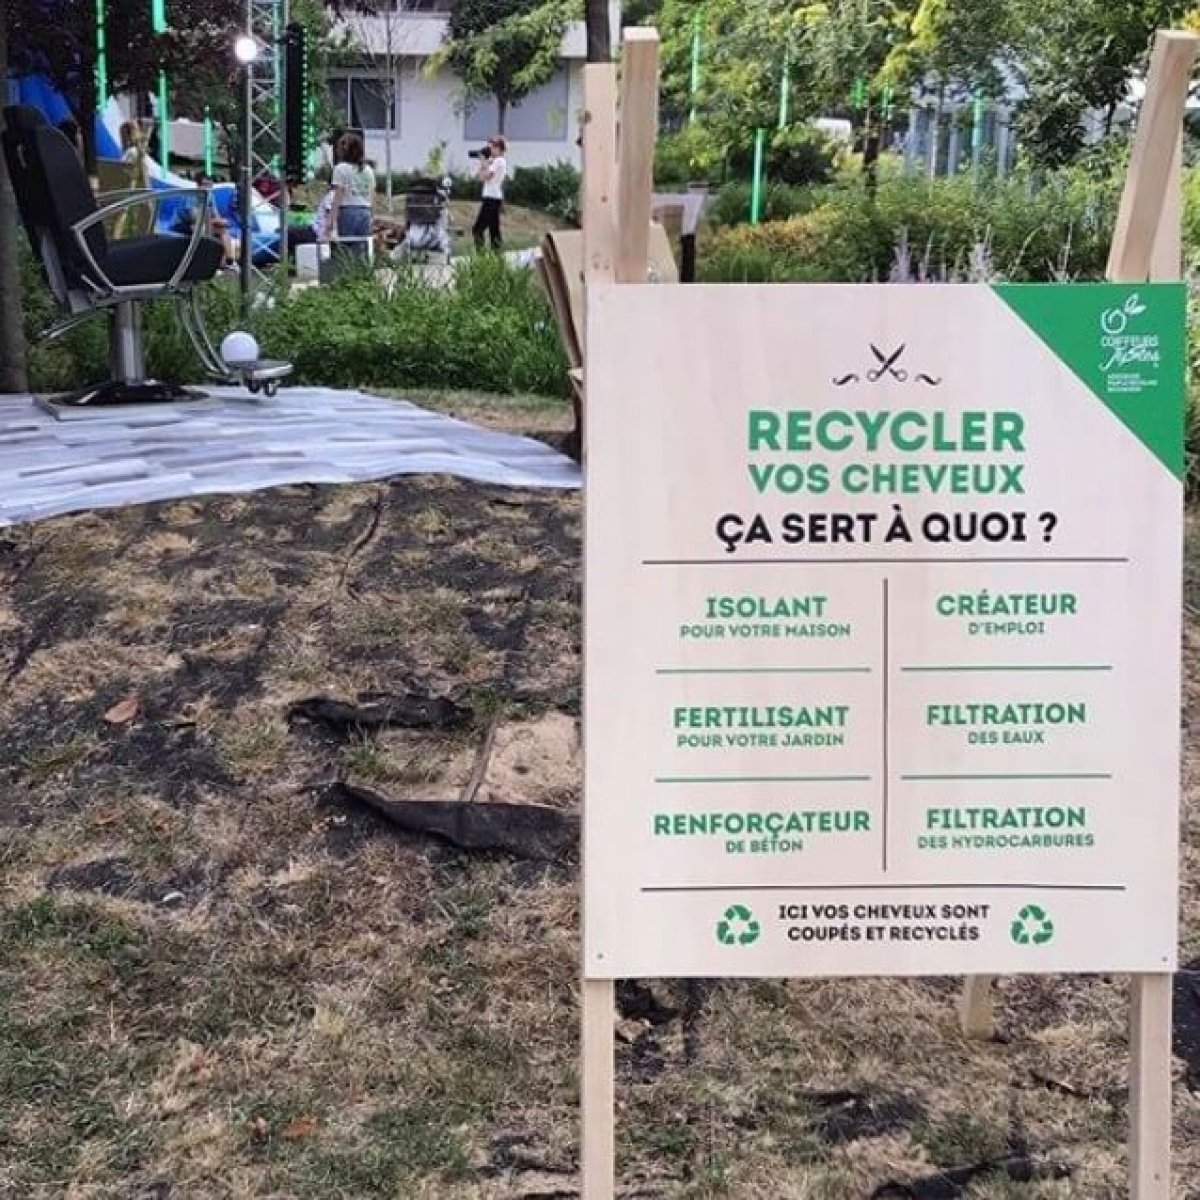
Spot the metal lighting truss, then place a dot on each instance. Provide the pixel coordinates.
(266, 22)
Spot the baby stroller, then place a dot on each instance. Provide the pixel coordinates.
(426, 221)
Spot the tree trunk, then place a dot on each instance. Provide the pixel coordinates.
(599, 35)
(12, 324)
(501, 114)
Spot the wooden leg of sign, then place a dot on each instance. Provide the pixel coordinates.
(598, 1090)
(1150, 1088)
(598, 1074)
(976, 1009)
(1147, 242)
(1166, 256)
(1153, 157)
(599, 176)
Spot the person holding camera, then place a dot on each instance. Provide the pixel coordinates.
(493, 170)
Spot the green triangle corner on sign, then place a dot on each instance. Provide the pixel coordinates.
(1127, 343)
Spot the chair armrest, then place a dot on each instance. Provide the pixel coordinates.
(201, 196)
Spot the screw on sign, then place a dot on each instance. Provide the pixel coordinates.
(1032, 927)
(738, 927)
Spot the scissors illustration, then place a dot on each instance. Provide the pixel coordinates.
(886, 365)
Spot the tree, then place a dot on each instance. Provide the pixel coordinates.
(57, 38)
(963, 43)
(599, 33)
(505, 48)
(12, 332)
(848, 42)
(1080, 55)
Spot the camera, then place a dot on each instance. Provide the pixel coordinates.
(486, 152)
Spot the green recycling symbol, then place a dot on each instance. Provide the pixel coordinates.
(1032, 926)
(738, 927)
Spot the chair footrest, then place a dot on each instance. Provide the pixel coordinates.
(261, 375)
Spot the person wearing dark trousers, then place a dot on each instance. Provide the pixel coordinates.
(493, 171)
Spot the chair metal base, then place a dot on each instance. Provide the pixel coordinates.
(114, 396)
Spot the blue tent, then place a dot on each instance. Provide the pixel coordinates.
(38, 92)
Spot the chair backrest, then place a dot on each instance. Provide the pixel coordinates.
(53, 194)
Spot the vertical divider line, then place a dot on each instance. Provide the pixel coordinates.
(887, 736)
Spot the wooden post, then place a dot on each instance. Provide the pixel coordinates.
(599, 174)
(1150, 1087)
(976, 1009)
(616, 238)
(1150, 166)
(598, 1087)
(598, 1076)
(639, 132)
(1166, 257)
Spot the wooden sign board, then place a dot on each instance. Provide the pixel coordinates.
(883, 621)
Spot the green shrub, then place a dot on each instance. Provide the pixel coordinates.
(552, 189)
(491, 330)
(797, 155)
(731, 205)
(691, 155)
(941, 229)
(835, 242)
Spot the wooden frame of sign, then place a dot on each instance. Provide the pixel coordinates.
(617, 189)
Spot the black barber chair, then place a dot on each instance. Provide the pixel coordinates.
(88, 272)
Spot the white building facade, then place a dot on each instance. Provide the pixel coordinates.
(406, 113)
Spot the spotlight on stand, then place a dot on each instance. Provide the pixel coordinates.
(245, 49)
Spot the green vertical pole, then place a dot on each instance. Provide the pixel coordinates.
(756, 188)
(695, 83)
(209, 156)
(785, 92)
(158, 22)
(101, 56)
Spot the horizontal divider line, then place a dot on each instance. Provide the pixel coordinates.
(763, 779)
(763, 671)
(889, 887)
(1049, 667)
(841, 562)
(927, 778)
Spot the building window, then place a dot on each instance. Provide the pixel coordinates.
(361, 101)
(540, 117)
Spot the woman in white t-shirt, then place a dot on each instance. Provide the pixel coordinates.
(353, 196)
(493, 172)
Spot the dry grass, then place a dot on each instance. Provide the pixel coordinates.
(214, 983)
